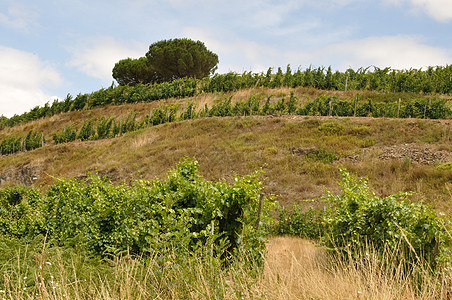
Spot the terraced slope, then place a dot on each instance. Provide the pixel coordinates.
(300, 155)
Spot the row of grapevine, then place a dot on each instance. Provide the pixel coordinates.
(433, 80)
(416, 108)
(102, 128)
(146, 217)
(15, 144)
(357, 218)
(109, 127)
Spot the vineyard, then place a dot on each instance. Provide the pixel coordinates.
(87, 212)
(109, 127)
(164, 229)
(433, 81)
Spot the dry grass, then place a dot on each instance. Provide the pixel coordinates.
(294, 269)
(240, 145)
(225, 146)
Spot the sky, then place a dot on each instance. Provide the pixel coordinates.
(49, 49)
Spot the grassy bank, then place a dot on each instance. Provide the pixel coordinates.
(300, 155)
(294, 269)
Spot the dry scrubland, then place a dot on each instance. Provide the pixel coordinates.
(301, 157)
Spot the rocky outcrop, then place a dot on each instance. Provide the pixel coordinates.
(425, 155)
(23, 174)
(418, 154)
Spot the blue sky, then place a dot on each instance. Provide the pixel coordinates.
(51, 48)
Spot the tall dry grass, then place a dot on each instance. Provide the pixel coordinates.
(294, 269)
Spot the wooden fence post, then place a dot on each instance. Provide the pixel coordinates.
(259, 210)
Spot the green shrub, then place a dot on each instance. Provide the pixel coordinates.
(20, 212)
(68, 134)
(104, 127)
(358, 218)
(181, 213)
(129, 124)
(300, 222)
(11, 145)
(323, 154)
(330, 128)
(87, 130)
(33, 140)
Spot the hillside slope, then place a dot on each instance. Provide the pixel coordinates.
(300, 155)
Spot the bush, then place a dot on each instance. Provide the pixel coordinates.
(33, 140)
(10, 145)
(358, 217)
(330, 128)
(87, 130)
(300, 222)
(68, 134)
(180, 213)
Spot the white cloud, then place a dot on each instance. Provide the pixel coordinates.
(241, 54)
(23, 80)
(98, 58)
(397, 52)
(440, 10)
(19, 16)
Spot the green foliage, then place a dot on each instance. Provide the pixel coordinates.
(390, 84)
(300, 222)
(179, 58)
(445, 166)
(129, 123)
(33, 140)
(159, 115)
(20, 212)
(281, 106)
(11, 145)
(133, 71)
(268, 108)
(87, 130)
(189, 112)
(181, 213)
(79, 102)
(68, 134)
(222, 108)
(358, 217)
(330, 128)
(104, 127)
(323, 154)
(318, 107)
(291, 107)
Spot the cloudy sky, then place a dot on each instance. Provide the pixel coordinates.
(51, 48)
